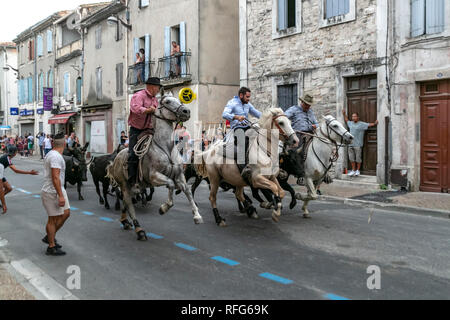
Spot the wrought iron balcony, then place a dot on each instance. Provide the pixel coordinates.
(175, 69)
(139, 73)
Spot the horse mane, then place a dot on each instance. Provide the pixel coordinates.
(269, 114)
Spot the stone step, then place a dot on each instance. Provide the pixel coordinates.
(362, 182)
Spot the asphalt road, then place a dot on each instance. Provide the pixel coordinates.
(326, 257)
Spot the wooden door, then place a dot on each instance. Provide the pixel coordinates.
(362, 99)
(435, 136)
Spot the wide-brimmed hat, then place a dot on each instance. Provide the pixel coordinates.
(154, 81)
(308, 99)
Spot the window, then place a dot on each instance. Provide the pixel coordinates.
(337, 11)
(287, 96)
(427, 17)
(144, 3)
(286, 14)
(66, 89)
(79, 83)
(286, 17)
(49, 41)
(41, 86)
(30, 90)
(98, 37)
(337, 8)
(40, 46)
(119, 80)
(99, 79)
(31, 50)
(50, 79)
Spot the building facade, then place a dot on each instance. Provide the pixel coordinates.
(208, 35)
(8, 86)
(36, 64)
(327, 48)
(414, 92)
(104, 109)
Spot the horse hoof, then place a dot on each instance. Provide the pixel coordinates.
(254, 216)
(178, 192)
(306, 216)
(134, 201)
(149, 199)
(198, 221)
(275, 218)
(80, 198)
(164, 209)
(242, 210)
(117, 208)
(126, 225)
(142, 236)
(107, 207)
(293, 205)
(102, 202)
(223, 224)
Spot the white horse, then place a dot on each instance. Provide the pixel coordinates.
(321, 154)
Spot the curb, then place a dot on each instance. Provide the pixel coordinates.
(33, 279)
(443, 214)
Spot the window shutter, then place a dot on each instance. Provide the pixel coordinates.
(435, 16)
(66, 86)
(49, 41)
(20, 91)
(119, 80)
(167, 50)
(136, 48)
(40, 46)
(417, 18)
(99, 84)
(147, 56)
(79, 90)
(50, 79)
(30, 90)
(282, 14)
(144, 3)
(183, 47)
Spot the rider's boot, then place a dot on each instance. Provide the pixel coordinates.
(132, 174)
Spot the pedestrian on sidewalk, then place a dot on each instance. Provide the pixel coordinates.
(41, 138)
(5, 162)
(357, 130)
(54, 196)
(47, 145)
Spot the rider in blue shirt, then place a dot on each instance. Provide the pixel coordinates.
(237, 111)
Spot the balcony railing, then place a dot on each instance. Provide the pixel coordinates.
(68, 49)
(175, 69)
(139, 73)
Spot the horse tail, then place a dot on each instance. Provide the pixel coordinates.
(110, 176)
(200, 168)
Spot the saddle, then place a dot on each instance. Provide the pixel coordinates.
(305, 142)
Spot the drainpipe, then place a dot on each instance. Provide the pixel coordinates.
(386, 150)
(6, 87)
(126, 66)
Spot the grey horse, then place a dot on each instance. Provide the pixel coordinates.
(162, 164)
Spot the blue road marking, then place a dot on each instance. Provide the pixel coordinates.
(24, 191)
(276, 278)
(37, 196)
(226, 261)
(331, 296)
(88, 213)
(185, 247)
(106, 219)
(154, 236)
(73, 209)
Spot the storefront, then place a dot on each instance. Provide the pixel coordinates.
(63, 123)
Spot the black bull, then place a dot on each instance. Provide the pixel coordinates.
(76, 167)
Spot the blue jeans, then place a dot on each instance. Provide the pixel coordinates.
(47, 151)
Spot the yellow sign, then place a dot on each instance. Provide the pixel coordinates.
(187, 96)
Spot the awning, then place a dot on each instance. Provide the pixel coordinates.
(61, 118)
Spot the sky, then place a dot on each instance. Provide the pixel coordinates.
(18, 15)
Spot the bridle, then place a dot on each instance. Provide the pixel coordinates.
(283, 133)
(176, 112)
(328, 135)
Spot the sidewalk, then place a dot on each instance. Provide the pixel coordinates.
(439, 202)
(10, 289)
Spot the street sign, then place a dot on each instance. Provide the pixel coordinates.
(186, 96)
(14, 111)
(48, 99)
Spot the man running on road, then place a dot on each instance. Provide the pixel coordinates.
(5, 162)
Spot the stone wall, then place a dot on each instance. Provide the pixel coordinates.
(313, 58)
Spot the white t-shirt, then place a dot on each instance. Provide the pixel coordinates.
(53, 160)
(47, 143)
